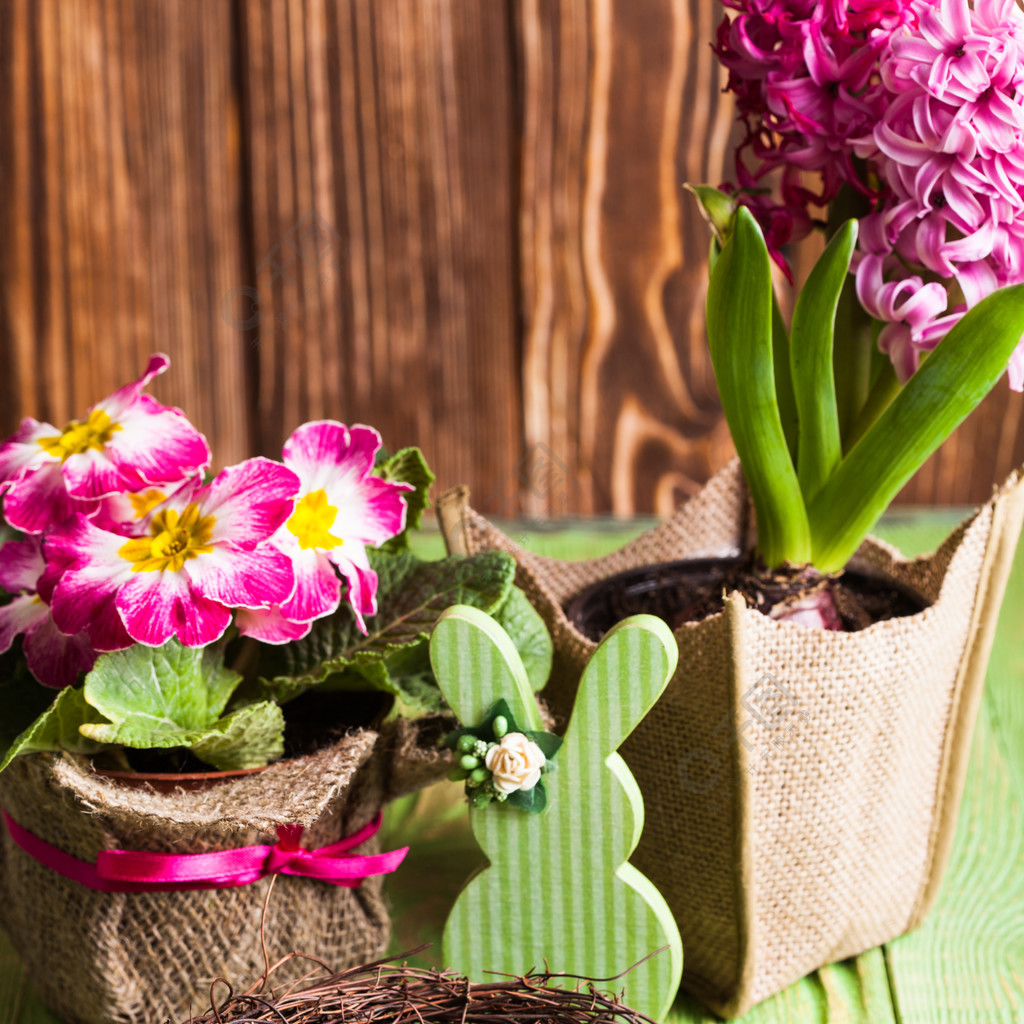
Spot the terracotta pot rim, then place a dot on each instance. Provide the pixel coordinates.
(168, 781)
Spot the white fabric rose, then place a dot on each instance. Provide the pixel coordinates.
(515, 763)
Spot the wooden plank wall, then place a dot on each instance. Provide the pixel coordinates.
(459, 220)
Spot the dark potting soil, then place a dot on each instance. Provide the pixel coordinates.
(691, 590)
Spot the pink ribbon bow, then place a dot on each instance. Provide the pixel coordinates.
(139, 871)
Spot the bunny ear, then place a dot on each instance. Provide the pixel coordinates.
(476, 664)
(622, 681)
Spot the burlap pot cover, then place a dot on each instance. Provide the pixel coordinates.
(98, 958)
(801, 786)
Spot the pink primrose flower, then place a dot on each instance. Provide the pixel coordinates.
(202, 553)
(53, 658)
(127, 442)
(341, 508)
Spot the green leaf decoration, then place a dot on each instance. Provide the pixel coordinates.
(411, 596)
(148, 691)
(527, 631)
(485, 729)
(950, 383)
(811, 364)
(533, 801)
(739, 319)
(407, 466)
(248, 738)
(57, 728)
(548, 742)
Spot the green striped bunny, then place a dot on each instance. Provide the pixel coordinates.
(558, 889)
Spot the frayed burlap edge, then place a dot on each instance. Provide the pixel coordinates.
(119, 957)
(717, 522)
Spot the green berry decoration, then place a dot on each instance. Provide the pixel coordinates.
(502, 762)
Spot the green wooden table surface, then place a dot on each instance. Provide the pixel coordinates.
(965, 964)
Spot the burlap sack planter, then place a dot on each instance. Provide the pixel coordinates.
(98, 958)
(801, 786)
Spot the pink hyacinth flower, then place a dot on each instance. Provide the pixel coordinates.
(908, 307)
(342, 507)
(203, 554)
(53, 658)
(126, 443)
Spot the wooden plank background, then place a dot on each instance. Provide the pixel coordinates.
(458, 220)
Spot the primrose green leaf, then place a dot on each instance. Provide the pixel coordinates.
(408, 466)
(739, 319)
(420, 691)
(248, 738)
(811, 364)
(410, 676)
(22, 698)
(411, 596)
(59, 727)
(153, 692)
(527, 631)
(950, 383)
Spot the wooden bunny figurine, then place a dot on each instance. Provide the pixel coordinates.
(558, 889)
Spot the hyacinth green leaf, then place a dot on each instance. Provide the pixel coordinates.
(739, 319)
(932, 404)
(788, 410)
(716, 207)
(810, 360)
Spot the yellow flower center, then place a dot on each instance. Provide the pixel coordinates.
(79, 437)
(175, 540)
(144, 502)
(312, 520)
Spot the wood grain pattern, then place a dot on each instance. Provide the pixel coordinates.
(387, 127)
(617, 384)
(121, 209)
(459, 220)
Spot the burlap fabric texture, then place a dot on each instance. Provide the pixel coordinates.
(801, 786)
(101, 958)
